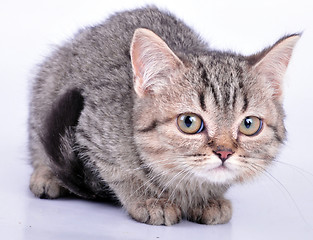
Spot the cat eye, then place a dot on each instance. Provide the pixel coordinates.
(190, 123)
(250, 126)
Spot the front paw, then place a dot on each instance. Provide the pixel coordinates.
(155, 212)
(217, 211)
(44, 184)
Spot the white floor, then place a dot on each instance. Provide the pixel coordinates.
(277, 205)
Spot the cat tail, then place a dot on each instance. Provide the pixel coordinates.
(68, 160)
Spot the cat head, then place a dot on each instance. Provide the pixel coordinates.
(212, 116)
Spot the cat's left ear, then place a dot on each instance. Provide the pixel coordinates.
(153, 62)
(271, 64)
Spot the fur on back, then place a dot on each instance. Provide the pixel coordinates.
(104, 110)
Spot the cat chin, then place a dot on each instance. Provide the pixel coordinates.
(218, 175)
(223, 177)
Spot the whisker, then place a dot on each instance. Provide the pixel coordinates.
(150, 180)
(267, 173)
(188, 173)
(148, 165)
(300, 170)
(179, 172)
(169, 183)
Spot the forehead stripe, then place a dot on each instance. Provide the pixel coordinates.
(202, 101)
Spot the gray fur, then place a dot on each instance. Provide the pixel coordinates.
(120, 137)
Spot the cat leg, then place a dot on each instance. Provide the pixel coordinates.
(44, 184)
(155, 212)
(217, 211)
(143, 205)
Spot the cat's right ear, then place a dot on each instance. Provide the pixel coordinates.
(153, 62)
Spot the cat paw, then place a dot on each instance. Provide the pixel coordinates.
(156, 212)
(44, 185)
(217, 211)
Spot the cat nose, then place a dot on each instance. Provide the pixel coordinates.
(224, 154)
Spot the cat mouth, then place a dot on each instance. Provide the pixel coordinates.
(221, 167)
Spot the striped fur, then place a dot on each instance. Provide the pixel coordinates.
(117, 136)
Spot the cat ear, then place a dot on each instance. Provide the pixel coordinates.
(153, 62)
(271, 64)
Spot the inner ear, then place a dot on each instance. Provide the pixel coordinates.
(152, 62)
(271, 64)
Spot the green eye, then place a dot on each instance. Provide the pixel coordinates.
(250, 126)
(189, 123)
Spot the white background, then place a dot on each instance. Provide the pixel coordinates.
(277, 205)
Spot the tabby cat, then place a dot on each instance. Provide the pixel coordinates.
(141, 111)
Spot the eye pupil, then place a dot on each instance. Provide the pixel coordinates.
(188, 121)
(248, 122)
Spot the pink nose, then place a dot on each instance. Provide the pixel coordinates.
(223, 154)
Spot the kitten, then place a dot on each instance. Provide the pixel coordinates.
(138, 109)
